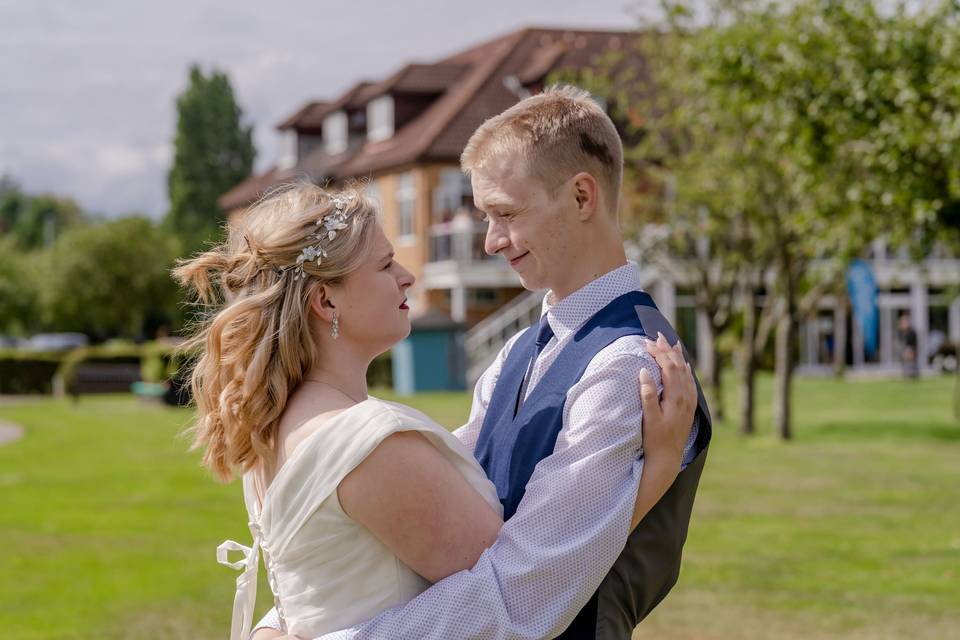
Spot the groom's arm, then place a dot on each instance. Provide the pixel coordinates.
(570, 527)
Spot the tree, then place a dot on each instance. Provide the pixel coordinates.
(213, 152)
(11, 202)
(679, 234)
(108, 279)
(790, 135)
(17, 296)
(703, 168)
(34, 220)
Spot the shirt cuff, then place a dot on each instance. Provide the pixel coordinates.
(269, 621)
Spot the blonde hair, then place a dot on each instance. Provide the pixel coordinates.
(253, 344)
(556, 134)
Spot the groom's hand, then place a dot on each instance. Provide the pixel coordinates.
(667, 420)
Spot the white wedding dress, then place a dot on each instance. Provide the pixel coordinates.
(326, 571)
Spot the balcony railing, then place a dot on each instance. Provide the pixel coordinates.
(460, 240)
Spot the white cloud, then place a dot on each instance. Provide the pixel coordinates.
(88, 92)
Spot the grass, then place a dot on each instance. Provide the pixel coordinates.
(108, 528)
(851, 531)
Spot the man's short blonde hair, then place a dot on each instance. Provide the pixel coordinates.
(555, 134)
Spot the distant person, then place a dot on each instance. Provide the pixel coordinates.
(908, 347)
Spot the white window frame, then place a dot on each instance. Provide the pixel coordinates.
(288, 149)
(451, 187)
(406, 199)
(335, 132)
(380, 118)
(372, 190)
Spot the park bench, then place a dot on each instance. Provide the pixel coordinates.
(104, 377)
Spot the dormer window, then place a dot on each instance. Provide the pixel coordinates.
(288, 149)
(380, 118)
(335, 132)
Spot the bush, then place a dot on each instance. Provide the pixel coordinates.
(159, 362)
(45, 372)
(108, 279)
(155, 361)
(18, 298)
(23, 372)
(380, 373)
(67, 376)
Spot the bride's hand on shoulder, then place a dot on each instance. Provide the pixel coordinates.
(667, 420)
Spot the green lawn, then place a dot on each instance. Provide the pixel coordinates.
(108, 528)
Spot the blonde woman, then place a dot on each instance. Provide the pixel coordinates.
(357, 504)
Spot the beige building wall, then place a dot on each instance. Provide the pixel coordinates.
(413, 251)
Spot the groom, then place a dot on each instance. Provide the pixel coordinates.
(555, 418)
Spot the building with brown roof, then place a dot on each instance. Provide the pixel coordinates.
(403, 135)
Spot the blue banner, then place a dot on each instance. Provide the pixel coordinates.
(862, 288)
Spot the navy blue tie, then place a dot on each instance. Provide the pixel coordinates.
(544, 334)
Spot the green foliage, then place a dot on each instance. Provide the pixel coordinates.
(34, 220)
(831, 122)
(109, 279)
(23, 372)
(213, 152)
(160, 361)
(380, 371)
(17, 296)
(776, 140)
(110, 353)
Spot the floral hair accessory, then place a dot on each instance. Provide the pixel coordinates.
(329, 226)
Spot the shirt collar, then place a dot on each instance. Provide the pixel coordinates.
(571, 313)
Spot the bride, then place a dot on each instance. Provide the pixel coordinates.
(357, 504)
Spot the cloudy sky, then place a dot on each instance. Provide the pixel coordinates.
(87, 87)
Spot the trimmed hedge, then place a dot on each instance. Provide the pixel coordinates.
(27, 372)
(30, 372)
(380, 373)
(67, 376)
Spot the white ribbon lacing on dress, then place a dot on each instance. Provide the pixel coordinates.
(246, 597)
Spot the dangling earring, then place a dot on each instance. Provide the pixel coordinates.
(335, 330)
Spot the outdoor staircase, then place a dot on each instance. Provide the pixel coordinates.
(485, 340)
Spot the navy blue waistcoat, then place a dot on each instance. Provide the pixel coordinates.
(511, 444)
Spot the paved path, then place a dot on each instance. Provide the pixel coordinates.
(9, 432)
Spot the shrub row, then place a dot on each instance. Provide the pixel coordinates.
(32, 372)
(28, 372)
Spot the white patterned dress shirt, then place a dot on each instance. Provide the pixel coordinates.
(574, 519)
